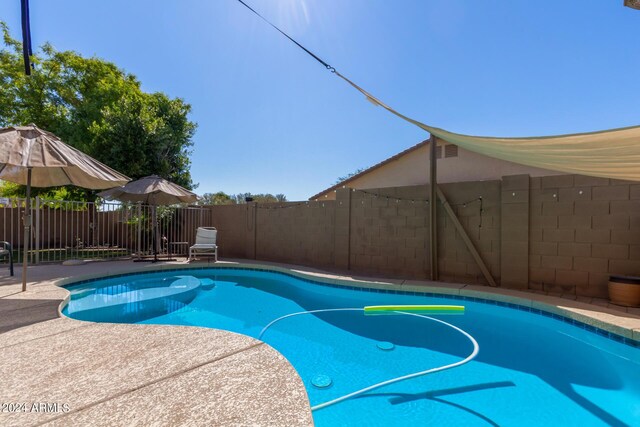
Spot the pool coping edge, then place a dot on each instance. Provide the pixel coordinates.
(603, 321)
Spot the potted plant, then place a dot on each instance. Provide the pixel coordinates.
(624, 290)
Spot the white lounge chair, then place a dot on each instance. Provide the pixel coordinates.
(205, 243)
(6, 250)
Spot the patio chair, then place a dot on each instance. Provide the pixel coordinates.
(205, 243)
(7, 250)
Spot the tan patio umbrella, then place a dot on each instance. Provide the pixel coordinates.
(151, 190)
(34, 157)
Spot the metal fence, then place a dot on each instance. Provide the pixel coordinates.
(85, 230)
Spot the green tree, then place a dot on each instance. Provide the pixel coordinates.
(98, 108)
(346, 177)
(11, 189)
(260, 198)
(219, 198)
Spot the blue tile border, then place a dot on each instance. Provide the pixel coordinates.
(589, 328)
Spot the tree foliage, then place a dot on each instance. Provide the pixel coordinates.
(221, 198)
(260, 198)
(346, 177)
(10, 189)
(98, 108)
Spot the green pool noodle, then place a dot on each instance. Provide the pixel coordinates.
(419, 309)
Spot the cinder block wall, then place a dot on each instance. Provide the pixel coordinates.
(298, 233)
(481, 221)
(514, 231)
(560, 234)
(582, 230)
(235, 224)
(389, 233)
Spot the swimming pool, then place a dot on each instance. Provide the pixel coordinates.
(532, 368)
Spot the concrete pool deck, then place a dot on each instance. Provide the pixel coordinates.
(120, 374)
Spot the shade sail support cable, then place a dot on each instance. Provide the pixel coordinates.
(613, 153)
(314, 56)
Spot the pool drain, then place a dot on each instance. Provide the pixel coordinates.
(386, 346)
(321, 381)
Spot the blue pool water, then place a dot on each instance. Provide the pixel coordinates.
(532, 370)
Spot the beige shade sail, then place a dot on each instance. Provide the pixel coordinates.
(52, 162)
(151, 190)
(609, 154)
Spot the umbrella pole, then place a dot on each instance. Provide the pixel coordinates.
(139, 230)
(155, 234)
(27, 231)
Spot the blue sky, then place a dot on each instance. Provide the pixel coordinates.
(271, 119)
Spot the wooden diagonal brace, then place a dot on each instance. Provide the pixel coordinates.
(465, 238)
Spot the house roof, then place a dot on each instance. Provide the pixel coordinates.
(372, 168)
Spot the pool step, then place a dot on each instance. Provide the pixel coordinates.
(207, 284)
(129, 302)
